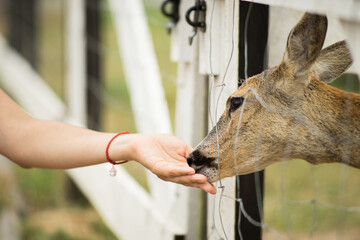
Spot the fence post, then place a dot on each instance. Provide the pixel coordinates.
(93, 62)
(252, 185)
(22, 30)
(84, 42)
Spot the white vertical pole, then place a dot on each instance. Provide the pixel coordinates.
(193, 66)
(190, 126)
(191, 109)
(144, 82)
(221, 212)
(26, 86)
(140, 66)
(75, 60)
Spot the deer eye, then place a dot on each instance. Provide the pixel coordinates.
(235, 103)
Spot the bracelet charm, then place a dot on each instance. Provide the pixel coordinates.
(113, 170)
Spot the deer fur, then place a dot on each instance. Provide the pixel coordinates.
(287, 112)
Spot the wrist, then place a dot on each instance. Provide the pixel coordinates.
(122, 148)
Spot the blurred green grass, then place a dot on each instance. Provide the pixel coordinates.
(295, 190)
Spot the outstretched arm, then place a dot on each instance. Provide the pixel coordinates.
(31, 142)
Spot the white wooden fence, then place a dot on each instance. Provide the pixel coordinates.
(195, 64)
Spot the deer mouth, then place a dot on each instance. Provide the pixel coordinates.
(203, 165)
(210, 172)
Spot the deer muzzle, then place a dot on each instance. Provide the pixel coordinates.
(203, 165)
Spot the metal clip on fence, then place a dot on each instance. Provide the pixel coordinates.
(199, 18)
(170, 8)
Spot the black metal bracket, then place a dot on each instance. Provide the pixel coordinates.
(199, 18)
(170, 8)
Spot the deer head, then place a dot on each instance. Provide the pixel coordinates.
(285, 112)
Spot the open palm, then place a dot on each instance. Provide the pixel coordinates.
(165, 156)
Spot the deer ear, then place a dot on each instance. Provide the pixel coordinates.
(304, 43)
(332, 62)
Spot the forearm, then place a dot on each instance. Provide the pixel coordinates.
(49, 144)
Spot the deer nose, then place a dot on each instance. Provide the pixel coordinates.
(190, 159)
(197, 160)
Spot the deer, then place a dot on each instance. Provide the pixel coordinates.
(287, 112)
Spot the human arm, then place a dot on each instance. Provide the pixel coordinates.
(31, 142)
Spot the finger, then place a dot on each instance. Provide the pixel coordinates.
(208, 187)
(178, 172)
(188, 180)
(200, 181)
(168, 171)
(196, 180)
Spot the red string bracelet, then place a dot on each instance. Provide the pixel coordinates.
(113, 169)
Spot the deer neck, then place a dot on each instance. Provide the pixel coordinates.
(334, 116)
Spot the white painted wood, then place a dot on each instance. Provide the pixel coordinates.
(211, 39)
(191, 106)
(14, 204)
(191, 101)
(147, 96)
(181, 51)
(220, 89)
(216, 50)
(128, 210)
(75, 71)
(10, 223)
(227, 207)
(191, 93)
(190, 125)
(140, 66)
(27, 87)
(346, 9)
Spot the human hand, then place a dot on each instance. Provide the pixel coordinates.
(165, 155)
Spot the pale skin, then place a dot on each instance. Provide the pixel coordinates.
(31, 142)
